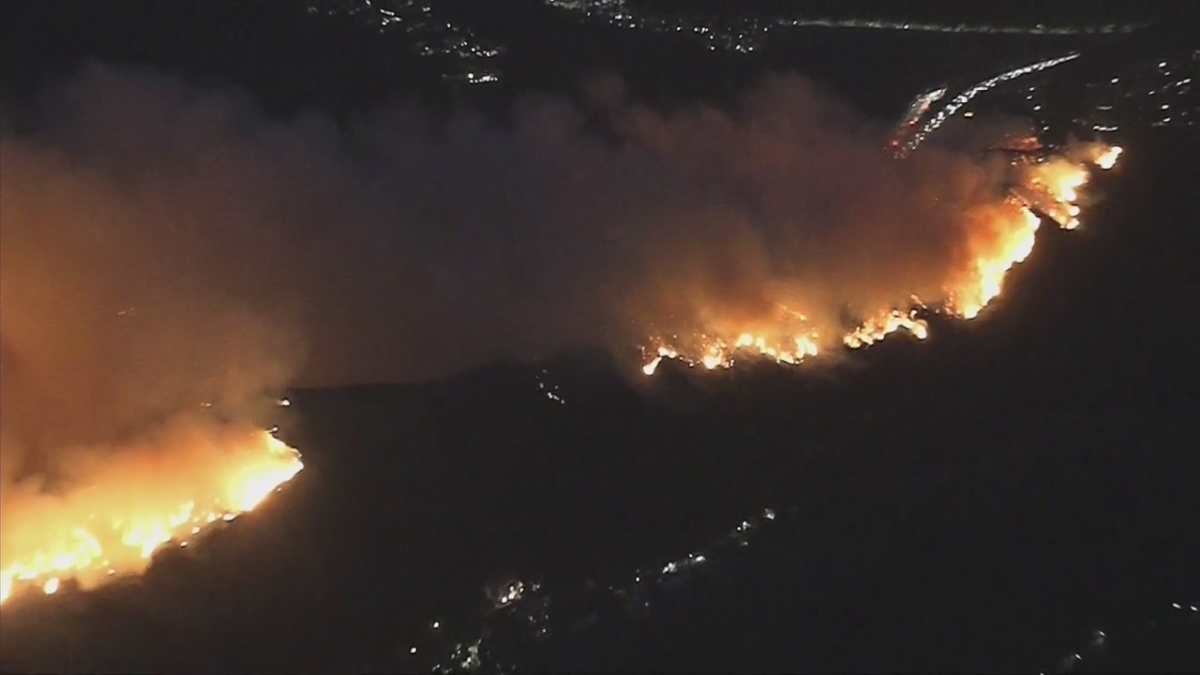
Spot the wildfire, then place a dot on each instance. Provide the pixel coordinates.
(998, 238)
(718, 353)
(110, 529)
(884, 325)
(1012, 232)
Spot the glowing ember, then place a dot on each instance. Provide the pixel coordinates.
(1107, 158)
(108, 530)
(998, 237)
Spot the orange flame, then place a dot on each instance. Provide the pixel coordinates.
(1107, 157)
(998, 238)
(105, 531)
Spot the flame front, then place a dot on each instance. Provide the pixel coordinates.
(113, 528)
(998, 237)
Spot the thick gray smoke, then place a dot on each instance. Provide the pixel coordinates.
(165, 245)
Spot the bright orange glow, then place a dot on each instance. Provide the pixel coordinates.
(1107, 158)
(998, 237)
(783, 343)
(884, 325)
(114, 526)
(1010, 239)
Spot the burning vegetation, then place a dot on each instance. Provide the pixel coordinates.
(170, 254)
(997, 236)
(135, 502)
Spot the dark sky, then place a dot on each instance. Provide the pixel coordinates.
(1015, 13)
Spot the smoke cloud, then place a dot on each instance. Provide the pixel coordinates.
(166, 246)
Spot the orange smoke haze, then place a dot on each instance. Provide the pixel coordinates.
(171, 258)
(183, 226)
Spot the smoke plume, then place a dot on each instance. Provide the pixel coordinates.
(167, 247)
